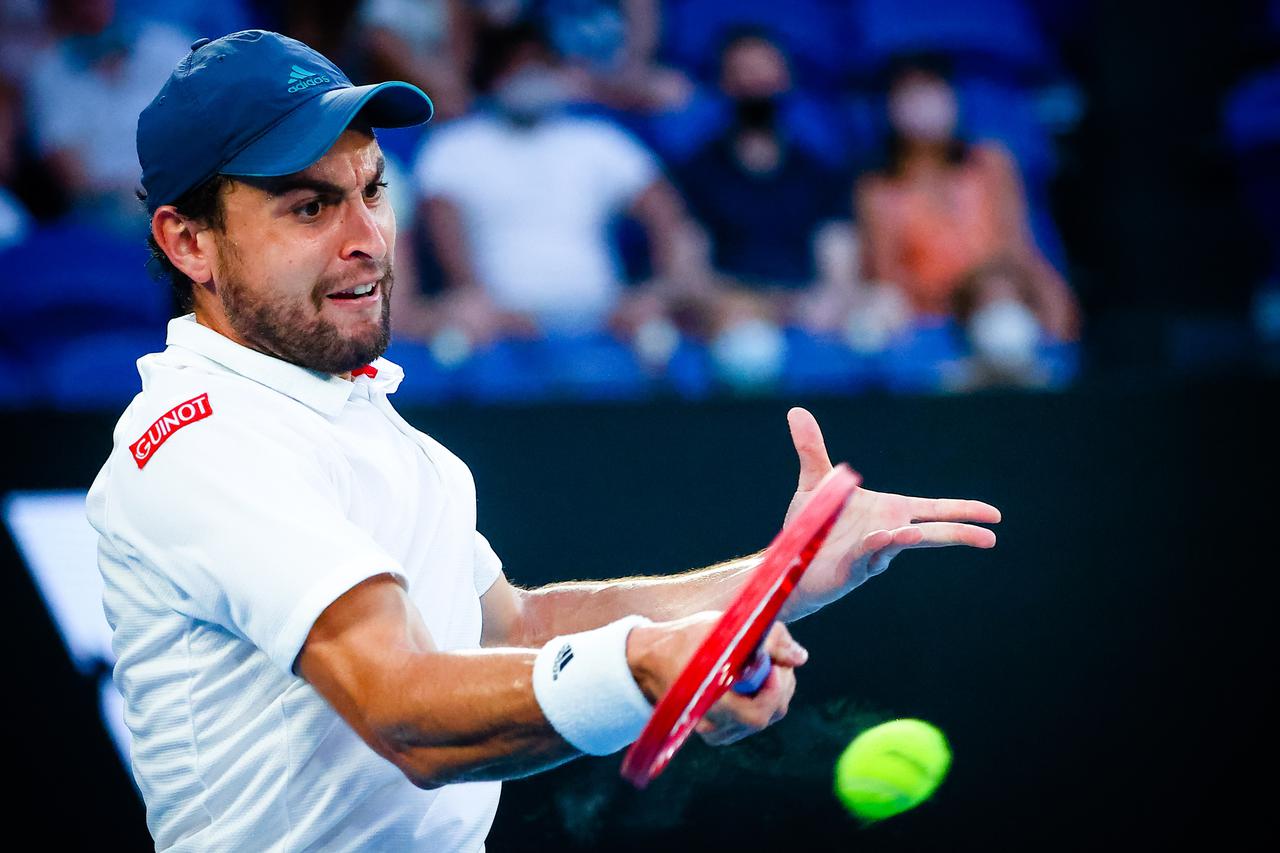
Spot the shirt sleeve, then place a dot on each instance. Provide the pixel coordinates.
(626, 168)
(247, 523)
(488, 565)
(441, 165)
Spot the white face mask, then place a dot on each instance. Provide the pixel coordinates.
(924, 111)
(1005, 333)
(532, 94)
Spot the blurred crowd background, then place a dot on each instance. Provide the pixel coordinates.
(621, 199)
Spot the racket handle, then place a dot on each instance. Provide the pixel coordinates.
(753, 675)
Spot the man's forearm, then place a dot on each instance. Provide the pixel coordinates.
(566, 608)
(491, 727)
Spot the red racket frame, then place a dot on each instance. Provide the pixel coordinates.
(732, 644)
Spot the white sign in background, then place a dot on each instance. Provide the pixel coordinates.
(60, 550)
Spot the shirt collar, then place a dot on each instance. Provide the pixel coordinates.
(324, 392)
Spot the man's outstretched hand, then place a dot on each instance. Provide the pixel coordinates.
(874, 528)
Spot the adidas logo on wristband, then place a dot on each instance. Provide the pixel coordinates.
(562, 660)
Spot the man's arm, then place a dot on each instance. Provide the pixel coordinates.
(874, 528)
(530, 617)
(445, 717)
(370, 655)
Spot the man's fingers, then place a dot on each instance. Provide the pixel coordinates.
(940, 534)
(810, 447)
(782, 648)
(875, 540)
(932, 534)
(953, 509)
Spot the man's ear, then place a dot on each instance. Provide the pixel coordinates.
(178, 237)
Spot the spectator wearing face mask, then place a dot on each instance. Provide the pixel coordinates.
(517, 200)
(945, 223)
(775, 216)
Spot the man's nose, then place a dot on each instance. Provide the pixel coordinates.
(362, 235)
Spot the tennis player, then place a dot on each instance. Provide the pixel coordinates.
(316, 647)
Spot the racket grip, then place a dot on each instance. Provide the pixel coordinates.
(753, 675)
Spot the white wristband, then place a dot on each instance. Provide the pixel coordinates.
(586, 690)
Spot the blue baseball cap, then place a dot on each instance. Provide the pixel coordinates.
(256, 103)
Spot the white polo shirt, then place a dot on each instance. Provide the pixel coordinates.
(243, 496)
(536, 203)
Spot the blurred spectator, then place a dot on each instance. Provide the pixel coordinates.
(767, 204)
(24, 32)
(426, 42)
(816, 34)
(946, 223)
(85, 93)
(610, 44)
(517, 201)
(14, 220)
(327, 25)
(753, 64)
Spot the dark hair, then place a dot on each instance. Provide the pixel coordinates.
(738, 34)
(498, 47)
(203, 204)
(933, 64)
(957, 153)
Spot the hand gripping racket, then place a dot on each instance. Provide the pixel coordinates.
(731, 655)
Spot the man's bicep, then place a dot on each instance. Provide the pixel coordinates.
(357, 649)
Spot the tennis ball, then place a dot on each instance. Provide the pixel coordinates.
(891, 767)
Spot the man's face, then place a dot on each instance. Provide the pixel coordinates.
(754, 68)
(297, 251)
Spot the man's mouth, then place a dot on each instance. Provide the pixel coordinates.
(368, 292)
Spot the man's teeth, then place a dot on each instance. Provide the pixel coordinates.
(355, 292)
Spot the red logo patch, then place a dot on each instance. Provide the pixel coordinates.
(195, 409)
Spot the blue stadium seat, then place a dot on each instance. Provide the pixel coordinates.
(1061, 362)
(919, 361)
(592, 367)
(825, 365)
(814, 33)
(1252, 127)
(995, 34)
(70, 280)
(426, 381)
(99, 371)
(1252, 114)
(505, 372)
(689, 372)
(21, 386)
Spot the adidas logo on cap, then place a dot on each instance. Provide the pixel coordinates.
(301, 78)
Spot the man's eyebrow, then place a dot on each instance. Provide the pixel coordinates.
(279, 185)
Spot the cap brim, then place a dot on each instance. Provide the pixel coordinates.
(304, 135)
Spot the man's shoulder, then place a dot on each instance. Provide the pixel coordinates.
(592, 127)
(216, 412)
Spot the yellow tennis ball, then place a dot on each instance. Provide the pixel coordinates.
(891, 767)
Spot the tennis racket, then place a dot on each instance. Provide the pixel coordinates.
(731, 656)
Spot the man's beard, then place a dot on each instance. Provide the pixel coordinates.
(297, 335)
